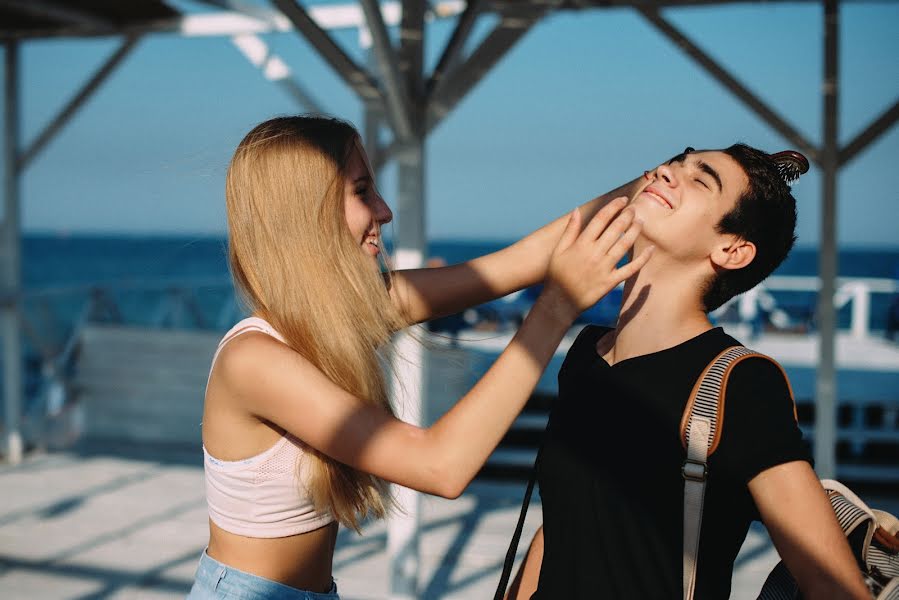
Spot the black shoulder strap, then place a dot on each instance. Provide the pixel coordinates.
(513, 545)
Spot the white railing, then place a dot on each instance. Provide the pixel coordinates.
(854, 291)
(176, 304)
(54, 319)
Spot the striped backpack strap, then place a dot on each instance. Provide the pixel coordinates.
(700, 431)
(707, 398)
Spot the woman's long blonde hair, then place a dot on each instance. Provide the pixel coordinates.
(296, 265)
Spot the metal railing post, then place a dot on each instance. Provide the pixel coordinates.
(861, 310)
(10, 270)
(826, 377)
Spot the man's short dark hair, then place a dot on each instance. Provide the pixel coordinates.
(765, 214)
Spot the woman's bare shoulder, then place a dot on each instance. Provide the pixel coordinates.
(251, 356)
(270, 379)
(251, 352)
(232, 427)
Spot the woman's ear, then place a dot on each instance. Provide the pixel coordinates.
(733, 253)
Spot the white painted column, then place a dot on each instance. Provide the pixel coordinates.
(403, 525)
(409, 374)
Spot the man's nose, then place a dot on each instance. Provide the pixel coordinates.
(666, 173)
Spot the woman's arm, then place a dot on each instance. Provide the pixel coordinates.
(275, 383)
(425, 294)
(805, 531)
(525, 583)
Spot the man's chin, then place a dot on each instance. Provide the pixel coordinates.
(644, 211)
(647, 238)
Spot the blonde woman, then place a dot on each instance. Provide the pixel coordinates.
(297, 430)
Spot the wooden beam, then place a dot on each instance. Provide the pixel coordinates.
(730, 82)
(464, 77)
(397, 100)
(77, 101)
(453, 48)
(355, 76)
(878, 126)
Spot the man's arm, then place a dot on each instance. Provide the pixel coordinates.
(424, 294)
(805, 531)
(525, 583)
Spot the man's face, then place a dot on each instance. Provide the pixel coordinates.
(684, 199)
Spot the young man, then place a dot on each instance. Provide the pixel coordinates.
(610, 469)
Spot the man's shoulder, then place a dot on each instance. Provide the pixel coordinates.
(719, 340)
(757, 367)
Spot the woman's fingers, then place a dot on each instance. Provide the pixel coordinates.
(572, 229)
(583, 265)
(621, 244)
(630, 269)
(603, 217)
(614, 232)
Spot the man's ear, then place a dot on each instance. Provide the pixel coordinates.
(733, 253)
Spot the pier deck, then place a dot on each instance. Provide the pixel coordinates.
(123, 523)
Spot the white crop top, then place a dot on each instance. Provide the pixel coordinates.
(263, 496)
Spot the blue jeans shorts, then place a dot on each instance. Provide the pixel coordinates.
(217, 581)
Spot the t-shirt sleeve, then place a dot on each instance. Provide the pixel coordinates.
(759, 424)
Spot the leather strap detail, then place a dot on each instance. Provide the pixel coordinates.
(719, 417)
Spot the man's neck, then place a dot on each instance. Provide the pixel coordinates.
(660, 309)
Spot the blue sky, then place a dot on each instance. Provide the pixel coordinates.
(587, 100)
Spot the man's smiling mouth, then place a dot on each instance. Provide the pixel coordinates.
(658, 198)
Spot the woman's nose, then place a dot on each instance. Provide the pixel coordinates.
(384, 214)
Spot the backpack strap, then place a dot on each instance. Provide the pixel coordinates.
(700, 429)
(513, 544)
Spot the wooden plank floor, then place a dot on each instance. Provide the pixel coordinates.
(129, 523)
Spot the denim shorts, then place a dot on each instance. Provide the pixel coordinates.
(217, 581)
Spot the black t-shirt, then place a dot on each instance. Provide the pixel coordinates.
(610, 469)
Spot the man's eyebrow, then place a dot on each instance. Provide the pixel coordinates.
(707, 169)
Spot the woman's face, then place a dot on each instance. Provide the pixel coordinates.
(364, 208)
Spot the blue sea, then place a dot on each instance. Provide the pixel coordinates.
(74, 264)
(54, 261)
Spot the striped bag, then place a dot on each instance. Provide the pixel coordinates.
(873, 538)
(872, 534)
